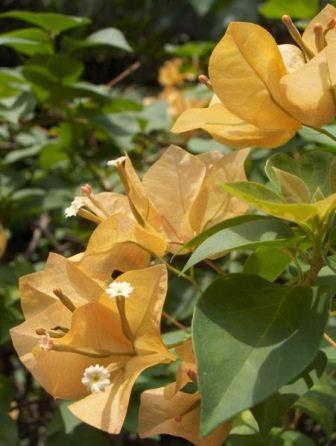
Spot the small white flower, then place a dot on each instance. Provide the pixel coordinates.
(73, 209)
(117, 161)
(46, 343)
(96, 378)
(116, 289)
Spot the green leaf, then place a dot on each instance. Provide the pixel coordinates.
(269, 412)
(316, 169)
(319, 138)
(267, 232)
(8, 431)
(276, 438)
(251, 337)
(299, 9)
(51, 22)
(269, 202)
(28, 41)
(319, 403)
(69, 420)
(230, 222)
(267, 263)
(104, 37)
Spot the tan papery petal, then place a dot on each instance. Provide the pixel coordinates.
(158, 416)
(229, 129)
(307, 93)
(110, 236)
(323, 18)
(172, 184)
(213, 203)
(107, 410)
(36, 289)
(245, 70)
(292, 56)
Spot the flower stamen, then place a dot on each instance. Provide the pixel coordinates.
(320, 41)
(122, 291)
(66, 301)
(296, 36)
(203, 79)
(88, 192)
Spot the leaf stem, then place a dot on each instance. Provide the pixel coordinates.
(323, 131)
(181, 274)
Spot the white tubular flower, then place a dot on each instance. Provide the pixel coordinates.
(96, 378)
(117, 161)
(116, 289)
(73, 209)
(46, 343)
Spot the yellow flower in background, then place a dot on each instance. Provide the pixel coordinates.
(180, 195)
(261, 90)
(169, 410)
(3, 240)
(175, 81)
(171, 74)
(89, 340)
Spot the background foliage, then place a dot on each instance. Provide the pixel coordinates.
(64, 111)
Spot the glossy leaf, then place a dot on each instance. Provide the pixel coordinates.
(269, 413)
(253, 234)
(316, 169)
(271, 203)
(267, 263)
(258, 334)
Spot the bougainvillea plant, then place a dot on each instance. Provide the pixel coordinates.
(255, 348)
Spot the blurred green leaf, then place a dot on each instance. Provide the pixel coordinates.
(104, 37)
(28, 41)
(202, 6)
(319, 403)
(51, 22)
(298, 9)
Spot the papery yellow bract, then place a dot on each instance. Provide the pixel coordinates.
(261, 89)
(180, 195)
(94, 327)
(168, 410)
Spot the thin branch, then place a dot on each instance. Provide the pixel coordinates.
(330, 340)
(175, 322)
(124, 74)
(215, 267)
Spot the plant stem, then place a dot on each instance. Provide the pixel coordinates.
(329, 339)
(215, 267)
(174, 321)
(181, 274)
(323, 131)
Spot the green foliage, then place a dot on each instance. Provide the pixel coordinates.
(250, 235)
(258, 331)
(298, 9)
(250, 339)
